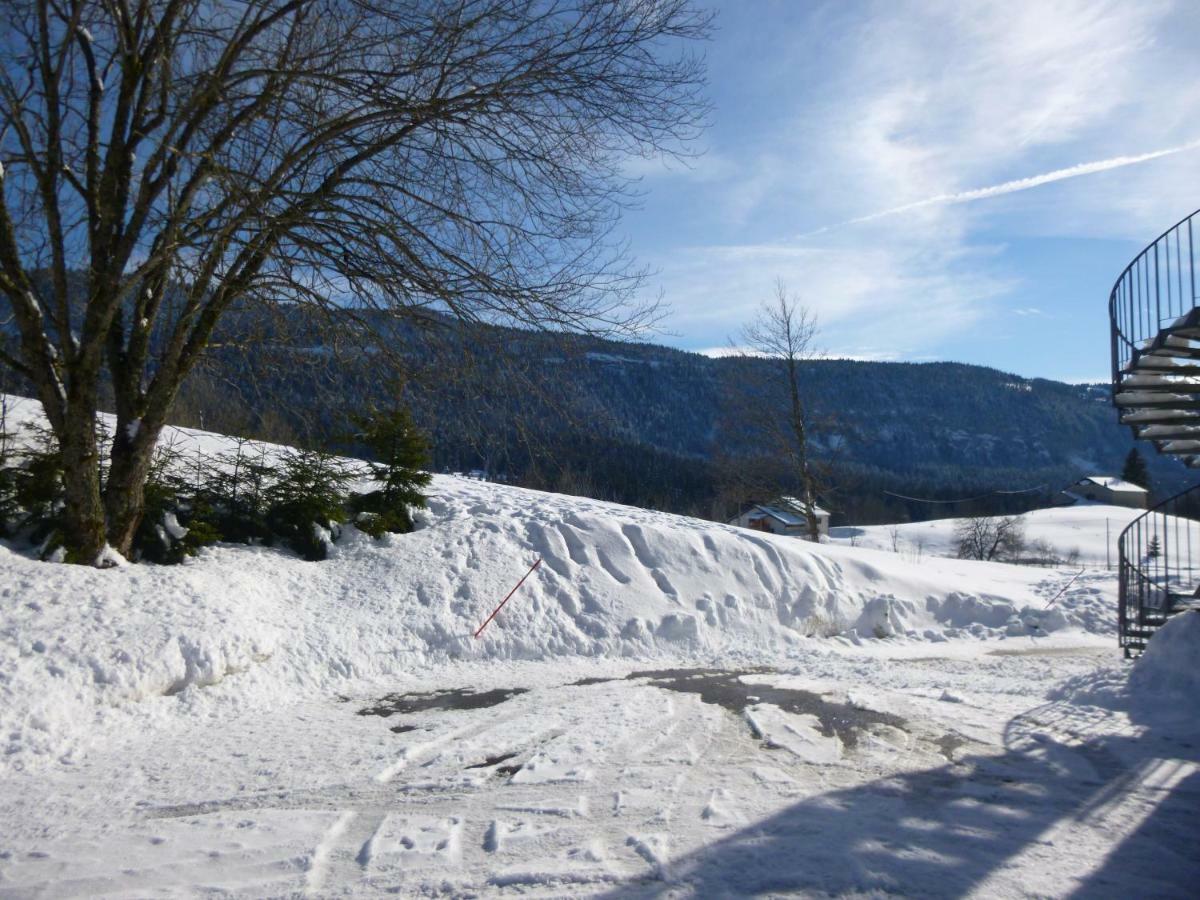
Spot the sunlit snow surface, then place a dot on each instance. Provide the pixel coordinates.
(251, 724)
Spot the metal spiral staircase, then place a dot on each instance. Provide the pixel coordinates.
(1154, 311)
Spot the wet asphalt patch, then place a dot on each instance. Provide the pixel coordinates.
(720, 687)
(726, 689)
(454, 698)
(495, 761)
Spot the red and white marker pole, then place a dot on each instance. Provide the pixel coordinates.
(506, 599)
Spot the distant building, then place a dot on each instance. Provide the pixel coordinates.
(1104, 489)
(784, 515)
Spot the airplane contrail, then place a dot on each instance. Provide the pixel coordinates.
(1020, 184)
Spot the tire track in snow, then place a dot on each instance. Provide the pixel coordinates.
(318, 865)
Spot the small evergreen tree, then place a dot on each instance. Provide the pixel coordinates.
(1153, 549)
(307, 505)
(239, 494)
(1134, 470)
(401, 451)
(179, 517)
(39, 493)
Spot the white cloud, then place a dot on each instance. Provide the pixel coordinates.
(900, 299)
(1019, 184)
(908, 109)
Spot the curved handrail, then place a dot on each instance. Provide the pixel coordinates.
(1156, 288)
(1158, 558)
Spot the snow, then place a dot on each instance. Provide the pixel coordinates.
(1091, 529)
(1170, 668)
(666, 707)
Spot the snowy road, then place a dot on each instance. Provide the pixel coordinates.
(935, 776)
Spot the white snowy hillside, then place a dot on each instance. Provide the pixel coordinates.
(1087, 533)
(666, 707)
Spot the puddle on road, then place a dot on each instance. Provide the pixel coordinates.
(455, 698)
(1052, 651)
(948, 744)
(495, 761)
(721, 687)
(584, 682)
(724, 687)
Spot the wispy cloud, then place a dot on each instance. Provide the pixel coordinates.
(926, 106)
(1010, 187)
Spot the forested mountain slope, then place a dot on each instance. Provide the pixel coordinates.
(654, 426)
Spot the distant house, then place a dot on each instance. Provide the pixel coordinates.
(1104, 489)
(784, 515)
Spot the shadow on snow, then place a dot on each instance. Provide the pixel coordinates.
(1058, 794)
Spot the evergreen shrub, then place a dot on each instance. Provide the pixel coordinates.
(400, 451)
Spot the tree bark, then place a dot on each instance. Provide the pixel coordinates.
(125, 488)
(83, 517)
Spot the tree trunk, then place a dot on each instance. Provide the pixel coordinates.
(83, 516)
(810, 509)
(125, 489)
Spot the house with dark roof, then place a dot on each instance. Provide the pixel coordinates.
(1104, 489)
(784, 515)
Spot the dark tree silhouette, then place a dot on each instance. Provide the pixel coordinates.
(1134, 470)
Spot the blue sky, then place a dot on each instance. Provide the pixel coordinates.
(830, 112)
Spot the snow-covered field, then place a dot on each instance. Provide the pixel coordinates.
(666, 707)
(1088, 531)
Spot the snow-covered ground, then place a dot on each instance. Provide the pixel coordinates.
(1087, 531)
(666, 707)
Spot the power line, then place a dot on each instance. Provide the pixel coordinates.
(1040, 487)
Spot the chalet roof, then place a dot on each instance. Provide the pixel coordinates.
(1113, 484)
(788, 510)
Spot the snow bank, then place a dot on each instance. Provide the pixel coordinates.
(1170, 667)
(78, 645)
(76, 641)
(1160, 692)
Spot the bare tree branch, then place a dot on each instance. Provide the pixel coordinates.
(775, 410)
(166, 161)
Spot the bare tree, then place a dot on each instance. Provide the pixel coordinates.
(990, 537)
(163, 162)
(784, 334)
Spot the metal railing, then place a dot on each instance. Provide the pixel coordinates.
(1159, 567)
(1157, 289)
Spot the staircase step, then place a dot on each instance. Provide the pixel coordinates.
(1190, 319)
(1157, 383)
(1165, 365)
(1158, 417)
(1167, 432)
(1185, 352)
(1149, 400)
